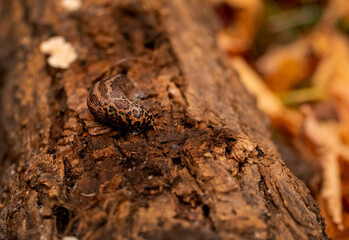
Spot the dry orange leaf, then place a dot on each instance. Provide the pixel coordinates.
(327, 146)
(239, 24)
(283, 67)
(267, 101)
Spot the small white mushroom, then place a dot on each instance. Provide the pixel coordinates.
(70, 238)
(62, 53)
(71, 5)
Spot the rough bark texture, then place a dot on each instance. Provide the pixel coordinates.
(208, 171)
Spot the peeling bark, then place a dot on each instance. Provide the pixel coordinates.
(208, 171)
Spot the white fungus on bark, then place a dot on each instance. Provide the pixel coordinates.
(71, 5)
(62, 53)
(70, 238)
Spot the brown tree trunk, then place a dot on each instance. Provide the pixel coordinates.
(208, 171)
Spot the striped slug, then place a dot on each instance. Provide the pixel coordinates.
(108, 103)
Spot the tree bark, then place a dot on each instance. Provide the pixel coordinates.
(208, 171)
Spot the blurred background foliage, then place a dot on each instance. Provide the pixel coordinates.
(293, 56)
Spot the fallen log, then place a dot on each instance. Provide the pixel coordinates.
(208, 170)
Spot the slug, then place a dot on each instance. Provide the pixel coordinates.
(108, 103)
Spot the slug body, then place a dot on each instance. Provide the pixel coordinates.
(108, 103)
